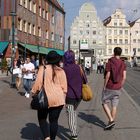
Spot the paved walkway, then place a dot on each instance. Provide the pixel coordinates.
(19, 122)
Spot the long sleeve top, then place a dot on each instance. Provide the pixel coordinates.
(55, 90)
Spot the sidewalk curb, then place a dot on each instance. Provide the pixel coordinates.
(132, 101)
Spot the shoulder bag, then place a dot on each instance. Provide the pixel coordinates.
(87, 93)
(40, 101)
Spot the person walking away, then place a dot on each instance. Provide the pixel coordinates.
(19, 77)
(73, 96)
(98, 67)
(114, 80)
(28, 70)
(55, 85)
(87, 68)
(102, 66)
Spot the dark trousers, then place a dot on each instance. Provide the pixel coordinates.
(51, 128)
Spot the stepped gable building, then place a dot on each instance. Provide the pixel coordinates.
(87, 34)
(135, 39)
(117, 34)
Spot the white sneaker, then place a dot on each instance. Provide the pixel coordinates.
(27, 95)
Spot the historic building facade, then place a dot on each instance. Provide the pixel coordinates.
(87, 33)
(135, 39)
(117, 34)
(38, 24)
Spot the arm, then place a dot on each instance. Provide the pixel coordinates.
(106, 79)
(124, 77)
(63, 82)
(38, 82)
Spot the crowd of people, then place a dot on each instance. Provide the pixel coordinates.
(63, 87)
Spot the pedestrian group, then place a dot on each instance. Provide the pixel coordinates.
(63, 87)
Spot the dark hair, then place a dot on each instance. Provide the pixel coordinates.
(117, 51)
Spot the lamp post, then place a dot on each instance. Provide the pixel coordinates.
(79, 53)
(13, 15)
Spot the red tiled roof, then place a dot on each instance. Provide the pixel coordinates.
(56, 3)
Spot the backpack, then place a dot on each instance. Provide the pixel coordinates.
(115, 72)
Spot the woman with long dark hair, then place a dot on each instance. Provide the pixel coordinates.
(55, 85)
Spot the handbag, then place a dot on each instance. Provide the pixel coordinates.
(87, 93)
(40, 101)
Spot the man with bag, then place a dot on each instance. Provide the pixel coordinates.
(114, 80)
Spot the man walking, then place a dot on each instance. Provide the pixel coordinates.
(114, 80)
(28, 70)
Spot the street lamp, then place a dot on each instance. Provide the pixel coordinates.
(13, 15)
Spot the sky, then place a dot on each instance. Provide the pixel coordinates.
(104, 9)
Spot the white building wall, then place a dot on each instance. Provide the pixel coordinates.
(135, 39)
(87, 26)
(118, 34)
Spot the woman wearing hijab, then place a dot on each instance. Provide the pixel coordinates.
(73, 96)
(55, 85)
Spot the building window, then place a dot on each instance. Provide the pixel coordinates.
(30, 5)
(25, 4)
(47, 35)
(52, 36)
(53, 19)
(47, 16)
(126, 51)
(29, 28)
(39, 31)
(115, 41)
(120, 32)
(126, 32)
(39, 11)
(43, 13)
(61, 39)
(115, 23)
(94, 32)
(24, 25)
(87, 25)
(126, 41)
(138, 40)
(19, 24)
(87, 32)
(120, 41)
(110, 41)
(94, 42)
(115, 32)
(118, 16)
(33, 29)
(134, 40)
(138, 49)
(74, 41)
(136, 32)
(34, 7)
(20, 2)
(121, 24)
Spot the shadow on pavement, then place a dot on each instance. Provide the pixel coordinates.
(63, 133)
(91, 119)
(31, 132)
(6, 81)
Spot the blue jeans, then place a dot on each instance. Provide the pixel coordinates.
(27, 84)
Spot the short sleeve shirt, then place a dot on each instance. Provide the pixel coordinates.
(110, 84)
